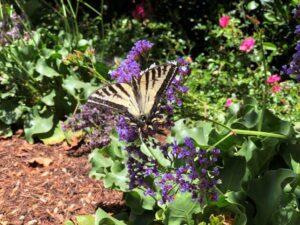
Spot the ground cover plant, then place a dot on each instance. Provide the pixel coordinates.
(224, 145)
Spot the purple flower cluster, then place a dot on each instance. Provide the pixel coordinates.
(11, 28)
(100, 124)
(293, 68)
(130, 67)
(177, 88)
(126, 132)
(139, 167)
(198, 173)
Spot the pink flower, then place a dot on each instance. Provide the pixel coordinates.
(276, 88)
(247, 44)
(228, 102)
(140, 12)
(224, 21)
(273, 78)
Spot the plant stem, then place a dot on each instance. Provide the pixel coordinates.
(265, 83)
(259, 133)
(220, 141)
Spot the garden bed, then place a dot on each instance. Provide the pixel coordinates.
(43, 185)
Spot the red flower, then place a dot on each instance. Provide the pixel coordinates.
(224, 21)
(228, 102)
(139, 11)
(276, 88)
(247, 44)
(273, 79)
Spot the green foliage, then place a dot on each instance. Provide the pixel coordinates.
(123, 32)
(261, 166)
(235, 74)
(39, 84)
(47, 74)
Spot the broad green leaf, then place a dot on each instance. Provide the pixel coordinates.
(117, 177)
(11, 111)
(144, 219)
(74, 87)
(55, 137)
(200, 132)
(100, 159)
(181, 210)
(48, 99)
(138, 201)
(102, 218)
(36, 123)
(156, 154)
(44, 70)
(228, 203)
(261, 156)
(273, 124)
(267, 194)
(232, 173)
(69, 222)
(250, 119)
(116, 149)
(85, 220)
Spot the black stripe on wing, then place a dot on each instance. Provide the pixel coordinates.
(171, 73)
(100, 103)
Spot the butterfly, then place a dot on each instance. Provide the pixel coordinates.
(139, 100)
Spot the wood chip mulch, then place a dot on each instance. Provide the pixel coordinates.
(42, 185)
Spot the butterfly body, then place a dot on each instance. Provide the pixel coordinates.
(139, 100)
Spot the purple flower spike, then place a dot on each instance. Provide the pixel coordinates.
(139, 48)
(130, 67)
(126, 133)
(297, 31)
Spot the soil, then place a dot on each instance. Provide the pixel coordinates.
(41, 184)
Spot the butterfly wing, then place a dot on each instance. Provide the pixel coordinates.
(153, 84)
(118, 97)
(141, 97)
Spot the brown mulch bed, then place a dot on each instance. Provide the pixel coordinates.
(42, 185)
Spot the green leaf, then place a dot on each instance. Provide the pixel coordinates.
(100, 160)
(85, 220)
(48, 99)
(252, 5)
(267, 194)
(78, 88)
(200, 132)
(5, 130)
(181, 210)
(250, 119)
(55, 137)
(228, 204)
(138, 201)
(44, 70)
(69, 222)
(144, 219)
(117, 177)
(102, 218)
(11, 111)
(36, 123)
(269, 46)
(274, 124)
(262, 153)
(232, 173)
(155, 153)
